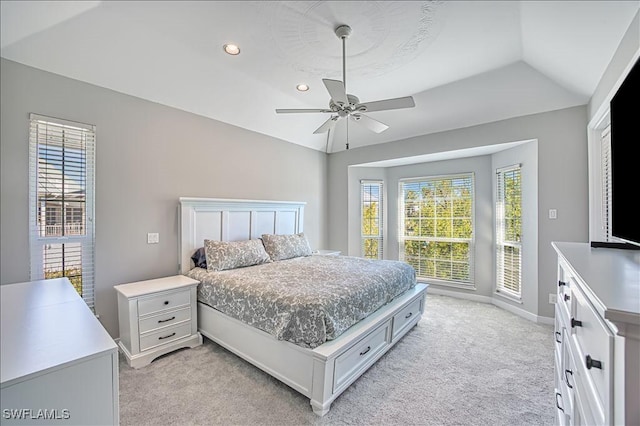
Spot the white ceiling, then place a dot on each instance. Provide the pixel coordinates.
(464, 62)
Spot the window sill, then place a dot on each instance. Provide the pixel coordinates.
(515, 299)
(449, 284)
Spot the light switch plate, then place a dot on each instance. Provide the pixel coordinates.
(553, 298)
(553, 214)
(153, 238)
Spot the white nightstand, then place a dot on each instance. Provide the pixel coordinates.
(327, 252)
(156, 317)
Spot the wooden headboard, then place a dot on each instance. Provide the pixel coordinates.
(232, 220)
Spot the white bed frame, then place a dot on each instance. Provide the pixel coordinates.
(323, 373)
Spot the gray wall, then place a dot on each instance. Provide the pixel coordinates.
(483, 209)
(627, 53)
(527, 156)
(562, 178)
(148, 155)
(612, 77)
(483, 167)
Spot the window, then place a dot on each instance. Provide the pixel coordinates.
(509, 231)
(437, 229)
(61, 198)
(371, 217)
(606, 182)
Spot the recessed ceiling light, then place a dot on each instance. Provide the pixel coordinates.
(302, 87)
(231, 49)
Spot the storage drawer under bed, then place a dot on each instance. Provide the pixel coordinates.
(358, 358)
(403, 319)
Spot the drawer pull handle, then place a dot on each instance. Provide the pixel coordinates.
(168, 319)
(575, 323)
(558, 334)
(166, 302)
(561, 283)
(365, 351)
(408, 315)
(566, 378)
(166, 337)
(558, 394)
(566, 297)
(592, 363)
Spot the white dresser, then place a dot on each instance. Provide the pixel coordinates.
(597, 334)
(59, 365)
(157, 317)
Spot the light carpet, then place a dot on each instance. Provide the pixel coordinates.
(465, 363)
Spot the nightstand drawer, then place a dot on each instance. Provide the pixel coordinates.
(165, 319)
(165, 335)
(149, 305)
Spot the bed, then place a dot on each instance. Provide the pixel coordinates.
(276, 315)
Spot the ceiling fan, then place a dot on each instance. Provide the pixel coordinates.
(344, 105)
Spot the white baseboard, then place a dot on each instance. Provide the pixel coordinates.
(514, 310)
(545, 320)
(491, 300)
(459, 295)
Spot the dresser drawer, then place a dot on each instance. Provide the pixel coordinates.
(565, 284)
(161, 302)
(594, 342)
(568, 378)
(165, 335)
(562, 418)
(350, 363)
(560, 341)
(403, 319)
(165, 319)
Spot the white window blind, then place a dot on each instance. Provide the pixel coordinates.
(437, 227)
(371, 206)
(509, 231)
(61, 202)
(606, 182)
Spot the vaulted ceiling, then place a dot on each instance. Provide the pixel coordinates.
(464, 62)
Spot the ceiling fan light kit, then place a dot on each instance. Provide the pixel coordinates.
(344, 105)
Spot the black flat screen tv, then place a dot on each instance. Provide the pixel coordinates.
(625, 161)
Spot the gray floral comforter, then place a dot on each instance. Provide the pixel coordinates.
(305, 300)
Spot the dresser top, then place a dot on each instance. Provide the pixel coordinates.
(44, 325)
(142, 288)
(611, 275)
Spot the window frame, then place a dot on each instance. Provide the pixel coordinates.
(501, 287)
(41, 243)
(469, 284)
(380, 218)
(605, 165)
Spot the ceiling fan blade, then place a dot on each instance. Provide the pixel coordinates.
(289, 111)
(396, 103)
(336, 90)
(370, 123)
(327, 125)
(330, 140)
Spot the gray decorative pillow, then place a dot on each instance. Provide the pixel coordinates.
(281, 247)
(223, 255)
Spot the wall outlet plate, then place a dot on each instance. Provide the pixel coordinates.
(153, 238)
(553, 298)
